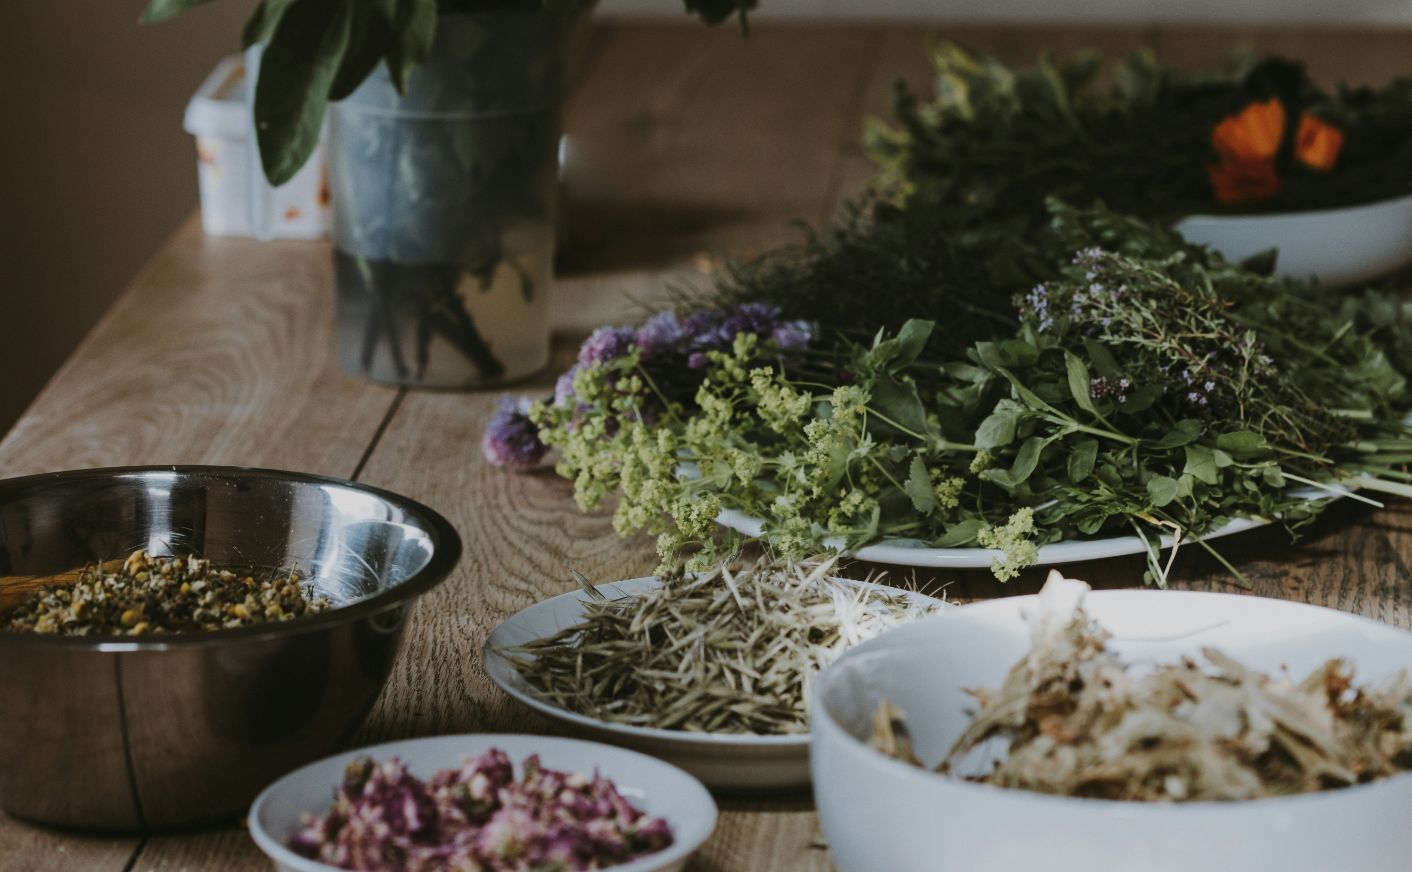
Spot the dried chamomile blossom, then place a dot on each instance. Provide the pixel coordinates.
(147, 594)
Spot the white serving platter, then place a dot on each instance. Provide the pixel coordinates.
(1334, 246)
(723, 761)
(901, 553)
(658, 788)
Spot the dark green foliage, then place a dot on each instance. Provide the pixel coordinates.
(998, 139)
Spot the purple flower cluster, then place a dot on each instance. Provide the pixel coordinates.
(511, 439)
(1103, 388)
(1037, 301)
(1091, 301)
(667, 345)
(605, 344)
(384, 819)
(667, 339)
(1198, 395)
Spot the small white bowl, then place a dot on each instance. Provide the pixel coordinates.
(723, 761)
(657, 788)
(879, 813)
(1335, 246)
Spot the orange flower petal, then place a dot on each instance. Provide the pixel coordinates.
(1254, 133)
(1236, 182)
(1317, 144)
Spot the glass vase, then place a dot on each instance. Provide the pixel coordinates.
(443, 206)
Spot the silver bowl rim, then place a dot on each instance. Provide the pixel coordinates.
(445, 554)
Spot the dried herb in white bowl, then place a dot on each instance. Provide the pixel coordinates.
(1076, 720)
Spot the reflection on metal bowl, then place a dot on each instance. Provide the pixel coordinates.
(156, 732)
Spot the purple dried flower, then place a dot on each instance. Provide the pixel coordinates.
(479, 816)
(660, 334)
(605, 344)
(511, 439)
(793, 335)
(697, 360)
(564, 385)
(757, 318)
(700, 323)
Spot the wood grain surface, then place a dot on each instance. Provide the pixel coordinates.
(684, 143)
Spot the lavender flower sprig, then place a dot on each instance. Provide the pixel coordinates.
(668, 351)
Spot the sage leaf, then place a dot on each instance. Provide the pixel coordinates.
(1184, 432)
(919, 487)
(961, 533)
(1201, 464)
(998, 429)
(912, 340)
(899, 402)
(1242, 443)
(1081, 460)
(1000, 477)
(296, 71)
(1080, 385)
(1102, 359)
(1162, 490)
(1026, 459)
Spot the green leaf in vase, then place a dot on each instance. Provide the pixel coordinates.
(261, 23)
(368, 39)
(414, 29)
(292, 91)
(161, 10)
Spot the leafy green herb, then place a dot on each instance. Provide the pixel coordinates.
(1146, 386)
(1134, 134)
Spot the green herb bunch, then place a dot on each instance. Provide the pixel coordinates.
(321, 50)
(995, 139)
(1145, 386)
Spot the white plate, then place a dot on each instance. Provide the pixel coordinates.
(1336, 246)
(723, 761)
(897, 553)
(936, 822)
(655, 787)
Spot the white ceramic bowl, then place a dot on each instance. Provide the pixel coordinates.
(723, 761)
(879, 813)
(1336, 246)
(655, 787)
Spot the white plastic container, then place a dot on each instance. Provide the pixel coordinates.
(236, 200)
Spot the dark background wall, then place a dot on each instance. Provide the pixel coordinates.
(95, 170)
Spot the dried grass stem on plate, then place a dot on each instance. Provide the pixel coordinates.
(1079, 721)
(729, 650)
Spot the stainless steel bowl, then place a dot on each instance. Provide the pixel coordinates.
(114, 733)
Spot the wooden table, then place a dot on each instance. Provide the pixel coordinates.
(684, 142)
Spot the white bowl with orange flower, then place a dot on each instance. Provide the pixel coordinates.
(1336, 247)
